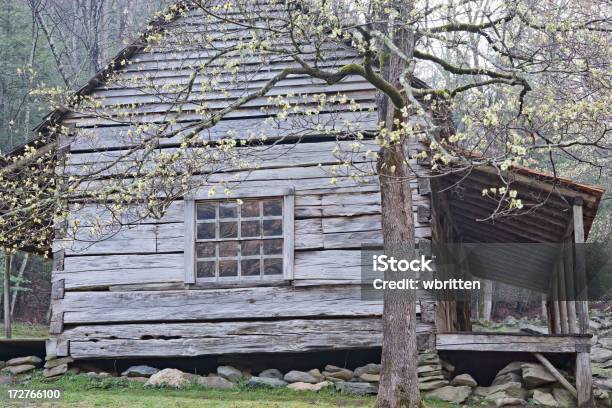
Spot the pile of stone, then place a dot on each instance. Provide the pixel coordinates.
(20, 365)
(361, 381)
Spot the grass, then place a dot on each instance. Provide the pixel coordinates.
(26, 331)
(83, 391)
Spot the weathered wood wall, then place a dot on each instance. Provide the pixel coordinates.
(124, 296)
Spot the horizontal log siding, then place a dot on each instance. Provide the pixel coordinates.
(124, 295)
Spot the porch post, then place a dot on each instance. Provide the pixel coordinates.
(580, 268)
(7, 294)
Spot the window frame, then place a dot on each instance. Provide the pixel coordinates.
(288, 198)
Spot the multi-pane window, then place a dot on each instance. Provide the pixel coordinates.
(239, 240)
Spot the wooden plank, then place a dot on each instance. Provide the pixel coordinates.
(186, 340)
(128, 135)
(507, 342)
(218, 304)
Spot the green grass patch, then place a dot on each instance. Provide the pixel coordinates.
(26, 331)
(83, 391)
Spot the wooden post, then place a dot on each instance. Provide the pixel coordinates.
(569, 286)
(7, 295)
(584, 380)
(562, 297)
(580, 268)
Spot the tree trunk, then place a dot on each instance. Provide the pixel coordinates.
(7, 295)
(398, 385)
(487, 300)
(24, 263)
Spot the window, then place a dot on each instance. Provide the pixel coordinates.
(246, 240)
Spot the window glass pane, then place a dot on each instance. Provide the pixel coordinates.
(273, 247)
(228, 268)
(206, 230)
(206, 211)
(250, 248)
(272, 228)
(250, 267)
(205, 269)
(205, 249)
(228, 230)
(228, 210)
(273, 266)
(249, 209)
(250, 229)
(272, 208)
(229, 248)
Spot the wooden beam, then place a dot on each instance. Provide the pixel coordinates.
(509, 342)
(580, 267)
(562, 296)
(551, 368)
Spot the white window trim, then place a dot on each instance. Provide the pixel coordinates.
(288, 230)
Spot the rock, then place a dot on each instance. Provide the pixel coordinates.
(300, 376)
(429, 368)
(58, 361)
(533, 329)
(604, 383)
(544, 398)
(370, 377)
(511, 389)
(302, 386)
(432, 385)
(29, 360)
(367, 369)
(215, 381)
(464, 379)
(316, 373)
(55, 371)
(510, 402)
(431, 378)
(271, 373)
(255, 382)
(341, 374)
(101, 375)
(140, 371)
(448, 366)
(428, 358)
(19, 369)
(510, 321)
(429, 374)
(137, 379)
(2, 365)
(602, 397)
(535, 375)
(169, 377)
(594, 326)
(356, 388)
(230, 373)
(246, 373)
(74, 370)
(6, 379)
(563, 397)
(455, 395)
(332, 368)
(506, 378)
(514, 367)
(600, 354)
(605, 342)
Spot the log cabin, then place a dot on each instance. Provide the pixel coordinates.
(282, 271)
